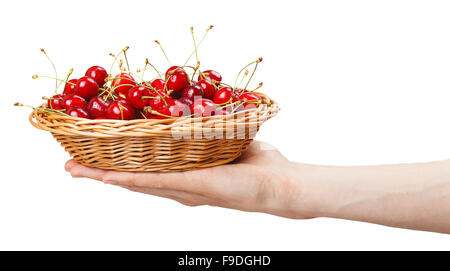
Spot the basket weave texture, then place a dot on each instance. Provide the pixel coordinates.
(158, 145)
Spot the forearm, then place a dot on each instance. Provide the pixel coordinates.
(415, 196)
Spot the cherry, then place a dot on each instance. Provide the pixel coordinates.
(177, 78)
(122, 83)
(221, 112)
(78, 112)
(158, 84)
(70, 88)
(86, 87)
(237, 93)
(158, 102)
(97, 107)
(211, 75)
(186, 101)
(192, 91)
(250, 100)
(55, 102)
(223, 95)
(120, 111)
(135, 94)
(177, 109)
(208, 89)
(203, 107)
(73, 100)
(97, 73)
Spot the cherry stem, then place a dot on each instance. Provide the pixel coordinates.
(237, 77)
(157, 92)
(243, 77)
(54, 67)
(50, 77)
(195, 44)
(115, 59)
(258, 87)
(126, 58)
(164, 52)
(254, 70)
(151, 65)
(200, 42)
(42, 109)
(66, 79)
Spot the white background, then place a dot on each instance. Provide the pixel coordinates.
(359, 82)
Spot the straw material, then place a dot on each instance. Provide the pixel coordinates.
(160, 145)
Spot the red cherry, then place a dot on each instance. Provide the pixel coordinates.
(208, 89)
(177, 78)
(97, 73)
(86, 87)
(135, 94)
(157, 102)
(73, 100)
(177, 109)
(186, 101)
(221, 112)
(237, 93)
(192, 91)
(78, 112)
(250, 100)
(120, 111)
(223, 95)
(158, 84)
(203, 108)
(122, 83)
(55, 102)
(97, 107)
(211, 75)
(70, 88)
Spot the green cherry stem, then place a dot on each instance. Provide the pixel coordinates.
(200, 42)
(126, 58)
(53, 65)
(254, 70)
(237, 77)
(164, 52)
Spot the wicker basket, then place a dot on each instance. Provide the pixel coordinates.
(163, 145)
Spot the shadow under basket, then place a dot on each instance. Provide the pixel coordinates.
(158, 145)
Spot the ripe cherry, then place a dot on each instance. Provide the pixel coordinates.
(135, 94)
(120, 111)
(237, 93)
(221, 112)
(192, 91)
(73, 100)
(186, 101)
(211, 75)
(177, 109)
(203, 108)
(86, 87)
(122, 83)
(97, 73)
(209, 90)
(250, 100)
(70, 88)
(97, 107)
(78, 112)
(158, 102)
(158, 84)
(55, 102)
(177, 78)
(223, 95)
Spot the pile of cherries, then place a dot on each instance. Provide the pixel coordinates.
(98, 95)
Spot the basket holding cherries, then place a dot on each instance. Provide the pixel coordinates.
(183, 91)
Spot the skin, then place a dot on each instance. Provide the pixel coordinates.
(413, 196)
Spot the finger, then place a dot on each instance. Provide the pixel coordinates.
(202, 181)
(69, 164)
(77, 171)
(166, 194)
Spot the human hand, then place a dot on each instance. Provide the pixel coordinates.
(259, 181)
